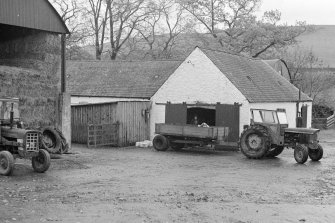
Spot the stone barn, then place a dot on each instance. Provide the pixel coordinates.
(218, 87)
(31, 60)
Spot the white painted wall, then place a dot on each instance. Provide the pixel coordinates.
(88, 100)
(197, 80)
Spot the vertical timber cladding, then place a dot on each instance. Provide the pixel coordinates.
(133, 119)
(176, 113)
(229, 116)
(83, 115)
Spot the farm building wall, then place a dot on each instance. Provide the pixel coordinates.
(131, 116)
(197, 80)
(28, 71)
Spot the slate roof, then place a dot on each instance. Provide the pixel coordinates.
(126, 79)
(254, 78)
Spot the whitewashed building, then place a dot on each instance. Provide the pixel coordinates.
(218, 87)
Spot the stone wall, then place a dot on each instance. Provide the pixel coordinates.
(29, 70)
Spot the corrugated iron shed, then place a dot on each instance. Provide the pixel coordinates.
(34, 14)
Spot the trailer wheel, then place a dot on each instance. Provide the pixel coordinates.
(300, 153)
(275, 151)
(255, 142)
(41, 163)
(315, 154)
(6, 163)
(160, 143)
(177, 146)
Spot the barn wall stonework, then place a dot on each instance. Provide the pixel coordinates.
(29, 70)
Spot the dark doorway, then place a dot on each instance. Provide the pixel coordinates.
(204, 115)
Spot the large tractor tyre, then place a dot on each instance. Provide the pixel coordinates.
(316, 154)
(177, 146)
(6, 163)
(160, 143)
(51, 140)
(275, 151)
(300, 153)
(255, 142)
(41, 163)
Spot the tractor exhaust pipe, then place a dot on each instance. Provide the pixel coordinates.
(11, 116)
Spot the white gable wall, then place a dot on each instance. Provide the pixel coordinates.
(197, 80)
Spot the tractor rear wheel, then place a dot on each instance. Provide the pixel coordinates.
(300, 153)
(41, 163)
(6, 163)
(255, 142)
(160, 143)
(315, 154)
(275, 151)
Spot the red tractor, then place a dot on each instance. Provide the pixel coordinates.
(268, 135)
(17, 142)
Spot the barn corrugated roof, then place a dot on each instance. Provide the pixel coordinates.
(34, 14)
(254, 78)
(126, 79)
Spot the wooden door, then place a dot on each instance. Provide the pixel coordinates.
(176, 113)
(229, 116)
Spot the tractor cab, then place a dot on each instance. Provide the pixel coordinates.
(274, 120)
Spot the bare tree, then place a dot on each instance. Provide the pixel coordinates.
(96, 13)
(308, 72)
(233, 24)
(71, 13)
(124, 17)
(161, 28)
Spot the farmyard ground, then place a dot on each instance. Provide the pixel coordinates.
(142, 185)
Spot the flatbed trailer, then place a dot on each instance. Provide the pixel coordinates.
(178, 136)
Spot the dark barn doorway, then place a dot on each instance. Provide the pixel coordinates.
(204, 115)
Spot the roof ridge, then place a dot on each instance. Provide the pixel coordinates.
(121, 61)
(229, 53)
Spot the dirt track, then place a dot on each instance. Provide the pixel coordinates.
(142, 185)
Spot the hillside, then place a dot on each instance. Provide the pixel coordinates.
(321, 41)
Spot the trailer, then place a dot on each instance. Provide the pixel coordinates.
(180, 136)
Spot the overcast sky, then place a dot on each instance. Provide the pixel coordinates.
(315, 12)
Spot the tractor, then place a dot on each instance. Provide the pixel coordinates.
(268, 134)
(17, 142)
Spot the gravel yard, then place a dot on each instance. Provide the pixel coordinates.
(143, 185)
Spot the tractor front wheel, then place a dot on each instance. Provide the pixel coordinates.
(300, 153)
(160, 143)
(255, 142)
(6, 163)
(315, 154)
(41, 163)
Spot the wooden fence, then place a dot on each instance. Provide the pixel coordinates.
(324, 123)
(132, 117)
